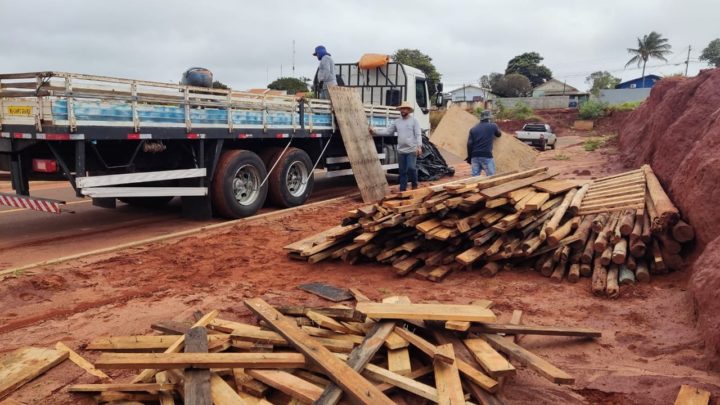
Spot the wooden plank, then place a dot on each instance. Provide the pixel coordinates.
(405, 383)
(536, 201)
(146, 375)
(165, 398)
(490, 360)
(447, 379)
(689, 395)
(341, 314)
(327, 322)
(24, 364)
(510, 329)
(148, 387)
(140, 343)
(291, 385)
(360, 147)
(478, 383)
(204, 360)
(529, 359)
(463, 326)
(196, 389)
(424, 346)
(399, 361)
(501, 189)
(81, 362)
(222, 393)
(357, 388)
(554, 186)
(436, 312)
(359, 358)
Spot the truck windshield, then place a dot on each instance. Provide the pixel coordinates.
(534, 127)
(421, 93)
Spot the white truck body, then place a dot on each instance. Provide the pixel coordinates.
(538, 135)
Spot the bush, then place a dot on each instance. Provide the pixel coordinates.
(626, 106)
(435, 118)
(592, 109)
(521, 111)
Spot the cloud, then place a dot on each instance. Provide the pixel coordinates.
(246, 44)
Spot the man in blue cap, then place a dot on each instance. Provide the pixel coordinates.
(326, 71)
(480, 145)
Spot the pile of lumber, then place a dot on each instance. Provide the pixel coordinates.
(448, 354)
(615, 230)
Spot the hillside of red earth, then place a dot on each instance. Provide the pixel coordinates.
(677, 131)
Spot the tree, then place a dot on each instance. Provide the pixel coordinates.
(290, 84)
(488, 81)
(417, 59)
(652, 45)
(711, 54)
(512, 85)
(528, 65)
(601, 80)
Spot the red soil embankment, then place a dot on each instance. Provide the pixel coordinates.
(677, 131)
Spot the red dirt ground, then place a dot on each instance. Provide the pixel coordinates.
(650, 343)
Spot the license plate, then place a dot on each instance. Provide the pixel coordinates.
(528, 142)
(20, 110)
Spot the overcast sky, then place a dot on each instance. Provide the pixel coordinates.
(245, 43)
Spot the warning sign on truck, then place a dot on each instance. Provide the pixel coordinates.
(20, 110)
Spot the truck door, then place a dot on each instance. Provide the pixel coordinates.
(422, 112)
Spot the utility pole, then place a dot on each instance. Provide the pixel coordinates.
(293, 60)
(687, 61)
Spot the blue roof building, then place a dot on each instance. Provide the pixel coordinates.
(639, 83)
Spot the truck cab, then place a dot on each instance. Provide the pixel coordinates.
(389, 85)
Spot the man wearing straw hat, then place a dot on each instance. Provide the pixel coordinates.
(409, 144)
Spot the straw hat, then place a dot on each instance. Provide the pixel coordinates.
(407, 105)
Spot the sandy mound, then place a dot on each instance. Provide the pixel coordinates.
(452, 134)
(677, 131)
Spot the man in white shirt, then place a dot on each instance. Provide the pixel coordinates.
(409, 144)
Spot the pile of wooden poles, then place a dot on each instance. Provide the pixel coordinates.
(617, 230)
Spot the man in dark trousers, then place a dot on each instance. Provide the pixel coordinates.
(480, 145)
(409, 144)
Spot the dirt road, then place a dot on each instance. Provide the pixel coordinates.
(650, 344)
(29, 236)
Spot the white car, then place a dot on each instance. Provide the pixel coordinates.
(538, 135)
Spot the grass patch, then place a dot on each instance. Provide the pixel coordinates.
(627, 106)
(592, 109)
(593, 143)
(561, 156)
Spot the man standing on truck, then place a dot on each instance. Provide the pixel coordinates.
(409, 144)
(325, 73)
(480, 145)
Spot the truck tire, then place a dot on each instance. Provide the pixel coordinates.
(146, 202)
(291, 183)
(235, 190)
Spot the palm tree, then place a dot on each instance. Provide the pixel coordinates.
(652, 45)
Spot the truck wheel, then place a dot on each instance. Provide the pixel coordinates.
(146, 202)
(292, 180)
(553, 145)
(236, 191)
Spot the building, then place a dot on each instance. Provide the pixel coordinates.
(470, 92)
(554, 87)
(638, 83)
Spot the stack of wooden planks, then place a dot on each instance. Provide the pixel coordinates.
(609, 229)
(448, 354)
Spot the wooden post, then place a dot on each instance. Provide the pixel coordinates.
(197, 380)
(626, 276)
(599, 277)
(619, 253)
(668, 214)
(577, 199)
(669, 244)
(638, 248)
(641, 273)
(587, 254)
(606, 256)
(490, 269)
(560, 233)
(612, 288)
(585, 270)
(627, 224)
(683, 232)
(551, 225)
(647, 229)
(600, 221)
(559, 271)
(574, 273)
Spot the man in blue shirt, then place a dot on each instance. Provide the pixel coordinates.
(480, 145)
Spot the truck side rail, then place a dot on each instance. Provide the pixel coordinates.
(72, 100)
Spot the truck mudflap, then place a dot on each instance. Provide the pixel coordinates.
(31, 203)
